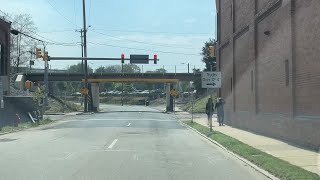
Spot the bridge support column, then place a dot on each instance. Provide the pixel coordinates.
(95, 96)
(169, 107)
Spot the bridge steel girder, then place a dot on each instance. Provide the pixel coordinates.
(38, 77)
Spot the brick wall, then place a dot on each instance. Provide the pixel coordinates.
(244, 13)
(244, 64)
(5, 48)
(278, 53)
(307, 87)
(226, 22)
(226, 73)
(272, 51)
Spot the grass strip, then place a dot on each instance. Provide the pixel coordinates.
(278, 167)
(26, 125)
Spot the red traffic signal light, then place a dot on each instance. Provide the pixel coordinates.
(155, 57)
(122, 58)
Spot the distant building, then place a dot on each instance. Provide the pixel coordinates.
(269, 56)
(5, 55)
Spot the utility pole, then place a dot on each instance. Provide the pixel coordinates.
(85, 55)
(122, 85)
(46, 81)
(81, 37)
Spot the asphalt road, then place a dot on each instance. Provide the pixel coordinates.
(140, 144)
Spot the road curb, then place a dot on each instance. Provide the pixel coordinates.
(262, 171)
(4, 133)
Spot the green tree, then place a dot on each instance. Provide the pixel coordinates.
(127, 68)
(209, 61)
(22, 48)
(197, 84)
(78, 69)
(161, 70)
(38, 94)
(131, 68)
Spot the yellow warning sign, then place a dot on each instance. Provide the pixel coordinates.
(174, 92)
(84, 91)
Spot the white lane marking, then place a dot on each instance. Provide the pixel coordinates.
(113, 143)
(129, 124)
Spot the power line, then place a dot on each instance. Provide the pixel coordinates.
(150, 50)
(34, 33)
(164, 45)
(57, 31)
(141, 42)
(155, 32)
(61, 13)
(128, 31)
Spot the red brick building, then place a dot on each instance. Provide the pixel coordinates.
(269, 56)
(5, 28)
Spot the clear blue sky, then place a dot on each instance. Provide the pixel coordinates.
(175, 30)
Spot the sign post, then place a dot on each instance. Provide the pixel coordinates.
(211, 80)
(174, 93)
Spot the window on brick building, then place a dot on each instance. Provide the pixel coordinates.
(231, 84)
(251, 81)
(286, 69)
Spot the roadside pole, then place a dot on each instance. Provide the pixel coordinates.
(211, 112)
(122, 85)
(192, 107)
(174, 104)
(46, 82)
(65, 100)
(85, 55)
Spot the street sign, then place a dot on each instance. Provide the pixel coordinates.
(211, 79)
(139, 59)
(174, 92)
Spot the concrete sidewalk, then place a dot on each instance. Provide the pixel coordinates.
(306, 159)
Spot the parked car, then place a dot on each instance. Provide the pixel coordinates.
(145, 92)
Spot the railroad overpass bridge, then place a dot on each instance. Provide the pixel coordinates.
(115, 77)
(95, 78)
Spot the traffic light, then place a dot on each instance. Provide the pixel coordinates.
(155, 58)
(38, 53)
(122, 58)
(46, 56)
(211, 51)
(27, 84)
(31, 62)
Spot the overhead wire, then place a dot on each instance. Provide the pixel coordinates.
(34, 33)
(61, 13)
(141, 42)
(169, 52)
(150, 50)
(153, 32)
